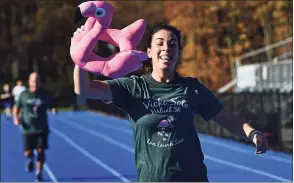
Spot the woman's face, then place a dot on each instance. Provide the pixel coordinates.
(164, 50)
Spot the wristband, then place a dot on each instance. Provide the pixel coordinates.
(252, 133)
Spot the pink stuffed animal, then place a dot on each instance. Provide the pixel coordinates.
(100, 15)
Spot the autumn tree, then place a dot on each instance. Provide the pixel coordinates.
(36, 35)
(216, 33)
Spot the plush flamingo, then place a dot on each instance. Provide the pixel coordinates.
(99, 14)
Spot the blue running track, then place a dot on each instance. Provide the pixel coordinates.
(91, 147)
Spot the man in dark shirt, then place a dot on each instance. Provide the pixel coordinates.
(34, 103)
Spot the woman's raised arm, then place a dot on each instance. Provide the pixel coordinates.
(92, 89)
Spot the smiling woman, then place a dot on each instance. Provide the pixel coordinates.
(164, 48)
(170, 57)
(161, 106)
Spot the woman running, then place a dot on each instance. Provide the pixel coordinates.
(161, 108)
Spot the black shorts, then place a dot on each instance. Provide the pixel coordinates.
(34, 141)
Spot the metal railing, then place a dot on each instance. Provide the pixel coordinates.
(265, 76)
(238, 63)
(262, 50)
(274, 75)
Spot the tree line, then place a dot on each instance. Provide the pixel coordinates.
(35, 36)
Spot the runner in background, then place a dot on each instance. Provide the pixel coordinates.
(34, 103)
(18, 89)
(7, 101)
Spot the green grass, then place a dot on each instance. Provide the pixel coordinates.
(61, 109)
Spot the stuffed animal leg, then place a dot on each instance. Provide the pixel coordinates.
(127, 38)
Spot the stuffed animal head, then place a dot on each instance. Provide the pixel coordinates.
(101, 10)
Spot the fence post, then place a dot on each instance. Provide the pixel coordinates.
(272, 125)
(279, 125)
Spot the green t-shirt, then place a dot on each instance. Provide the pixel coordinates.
(34, 111)
(167, 147)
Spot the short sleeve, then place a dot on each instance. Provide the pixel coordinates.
(122, 89)
(18, 103)
(208, 104)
